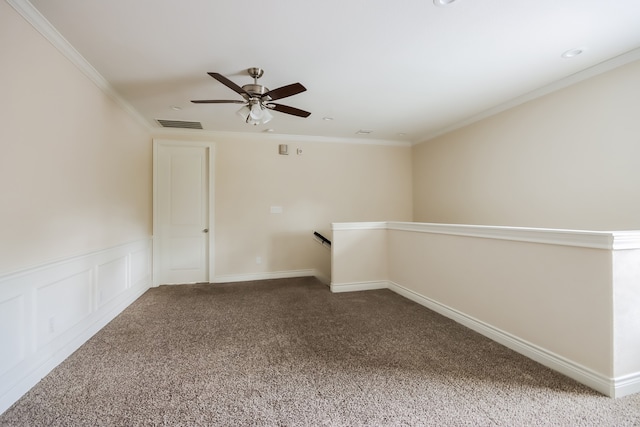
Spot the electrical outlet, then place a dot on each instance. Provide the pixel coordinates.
(258, 260)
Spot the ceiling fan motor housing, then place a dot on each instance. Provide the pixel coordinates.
(255, 89)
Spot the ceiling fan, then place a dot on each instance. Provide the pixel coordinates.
(257, 98)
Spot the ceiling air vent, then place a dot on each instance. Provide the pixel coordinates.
(180, 124)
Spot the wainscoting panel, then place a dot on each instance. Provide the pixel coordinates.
(140, 268)
(12, 323)
(49, 311)
(61, 305)
(111, 278)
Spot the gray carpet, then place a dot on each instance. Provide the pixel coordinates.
(288, 352)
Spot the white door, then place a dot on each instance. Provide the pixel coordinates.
(182, 212)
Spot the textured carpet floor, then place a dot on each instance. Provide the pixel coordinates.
(288, 352)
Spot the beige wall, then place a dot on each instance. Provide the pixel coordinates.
(329, 182)
(359, 258)
(75, 169)
(626, 320)
(524, 289)
(566, 160)
(75, 174)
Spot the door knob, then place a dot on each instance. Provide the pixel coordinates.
(206, 230)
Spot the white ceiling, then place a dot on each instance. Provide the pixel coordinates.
(405, 70)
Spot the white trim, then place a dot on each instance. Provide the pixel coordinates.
(342, 226)
(78, 275)
(30, 269)
(626, 240)
(609, 240)
(49, 32)
(42, 25)
(585, 239)
(558, 363)
(359, 286)
(229, 278)
(226, 135)
(597, 69)
(626, 385)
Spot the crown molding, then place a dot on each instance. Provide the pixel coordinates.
(279, 137)
(600, 68)
(44, 27)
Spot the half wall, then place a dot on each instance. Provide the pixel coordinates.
(568, 299)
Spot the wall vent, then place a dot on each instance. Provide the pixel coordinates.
(180, 124)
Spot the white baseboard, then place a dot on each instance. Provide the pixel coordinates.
(36, 344)
(359, 286)
(613, 387)
(57, 307)
(625, 386)
(229, 278)
(558, 363)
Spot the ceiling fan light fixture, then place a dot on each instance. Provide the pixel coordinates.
(266, 116)
(244, 112)
(256, 114)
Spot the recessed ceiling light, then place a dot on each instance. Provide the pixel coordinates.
(441, 3)
(327, 119)
(175, 108)
(364, 132)
(572, 53)
(268, 130)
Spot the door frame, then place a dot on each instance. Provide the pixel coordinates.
(158, 142)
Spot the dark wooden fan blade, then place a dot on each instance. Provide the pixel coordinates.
(217, 101)
(289, 110)
(285, 91)
(228, 83)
